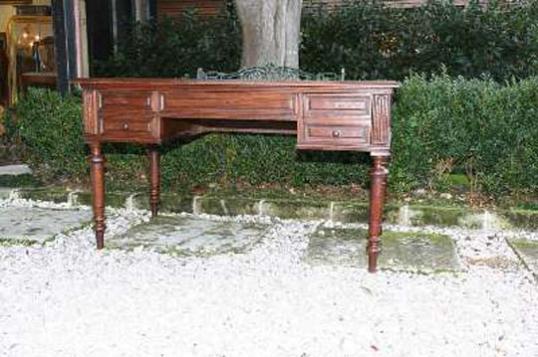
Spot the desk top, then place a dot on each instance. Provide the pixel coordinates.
(147, 83)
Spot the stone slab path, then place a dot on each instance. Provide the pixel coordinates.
(400, 251)
(179, 235)
(34, 224)
(15, 170)
(5, 192)
(186, 236)
(528, 252)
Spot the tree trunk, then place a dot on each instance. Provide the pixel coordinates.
(271, 30)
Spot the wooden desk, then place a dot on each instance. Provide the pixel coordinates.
(345, 116)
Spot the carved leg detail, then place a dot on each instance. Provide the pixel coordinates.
(154, 180)
(377, 196)
(97, 171)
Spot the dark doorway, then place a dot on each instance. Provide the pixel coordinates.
(124, 17)
(100, 32)
(104, 28)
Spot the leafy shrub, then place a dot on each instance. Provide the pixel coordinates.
(177, 48)
(372, 41)
(51, 129)
(477, 127)
(9, 150)
(480, 128)
(367, 39)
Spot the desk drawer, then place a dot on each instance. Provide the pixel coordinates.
(340, 105)
(128, 126)
(338, 133)
(128, 115)
(143, 129)
(125, 105)
(335, 135)
(240, 105)
(335, 121)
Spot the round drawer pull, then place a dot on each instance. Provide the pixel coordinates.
(336, 133)
(125, 126)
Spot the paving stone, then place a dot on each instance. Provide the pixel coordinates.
(522, 218)
(400, 251)
(528, 252)
(190, 236)
(295, 209)
(30, 224)
(228, 207)
(5, 192)
(15, 170)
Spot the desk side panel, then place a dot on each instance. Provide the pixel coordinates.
(357, 120)
(335, 121)
(381, 124)
(121, 116)
(90, 103)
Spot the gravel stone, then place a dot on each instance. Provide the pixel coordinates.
(67, 299)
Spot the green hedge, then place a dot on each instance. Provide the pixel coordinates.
(480, 128)
(176, 48)
(370, 41)
(50, 127)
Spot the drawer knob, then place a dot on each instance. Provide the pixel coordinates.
(125, 126)
(336, 133)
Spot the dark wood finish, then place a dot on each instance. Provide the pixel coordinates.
(154, 179)
(97, 171)
(15, 2)
(377, 196)
(32, 10)
(347, 116)
(38, 79)
(176, 8)
(4, 65)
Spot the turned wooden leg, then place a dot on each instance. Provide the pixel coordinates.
(377, 196)
(97, 162)
(154, 180)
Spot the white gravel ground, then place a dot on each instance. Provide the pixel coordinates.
(66, 299)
